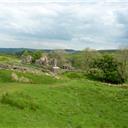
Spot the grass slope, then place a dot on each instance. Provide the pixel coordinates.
(68, 103)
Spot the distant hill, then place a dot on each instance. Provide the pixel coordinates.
(11, 50)
(109, 50)
(18, 50)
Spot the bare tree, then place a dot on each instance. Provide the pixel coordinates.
(122, 57)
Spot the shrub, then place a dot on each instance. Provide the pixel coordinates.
(95, 73)
(107, 69)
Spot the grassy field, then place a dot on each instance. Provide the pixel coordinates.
(61, 103)
(9, 59)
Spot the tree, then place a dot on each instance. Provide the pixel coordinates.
(122, 57)
(108, 69)
(59, 55)
(34, 54)
(37, 55)
(89, 56)
(26, 53)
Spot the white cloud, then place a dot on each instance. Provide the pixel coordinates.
(67, 25)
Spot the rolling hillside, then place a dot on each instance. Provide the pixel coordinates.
(65, 102)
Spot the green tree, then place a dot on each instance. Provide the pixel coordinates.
(109, 67)
(26, 53)
(85, 59)
(59, 55)
(37, 55)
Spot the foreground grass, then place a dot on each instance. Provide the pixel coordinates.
(74, 103)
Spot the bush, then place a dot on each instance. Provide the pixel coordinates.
(113, 77)
(95, 73)
(107, 69)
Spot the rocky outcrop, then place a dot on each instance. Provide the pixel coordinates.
(23, 79)
(42, 61)
(26, 59)
(5, 66)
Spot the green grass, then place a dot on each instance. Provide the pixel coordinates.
(5, 77)
(10, 59)
(67, 103)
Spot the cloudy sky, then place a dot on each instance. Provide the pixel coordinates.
(64, 24)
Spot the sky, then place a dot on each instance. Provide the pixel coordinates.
(64, 24)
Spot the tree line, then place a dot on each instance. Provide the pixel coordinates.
(109, 67)
(106, 66)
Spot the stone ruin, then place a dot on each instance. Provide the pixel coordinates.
(55, 68)
(42, 61)
(47, 62)
(26, 59)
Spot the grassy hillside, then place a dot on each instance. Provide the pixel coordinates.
(9, 59)
(61, 103)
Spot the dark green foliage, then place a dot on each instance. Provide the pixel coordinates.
(37, 55)
(26, 53)
(107, 69)
(96, 73)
